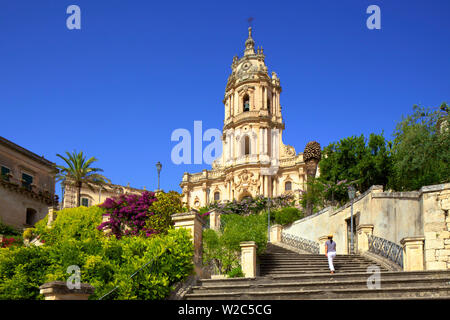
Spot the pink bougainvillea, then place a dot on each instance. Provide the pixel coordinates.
(128, 213)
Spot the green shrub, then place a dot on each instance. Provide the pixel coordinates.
(8, 230)
(244, 228)
(236, 273)
(105, 262)
(72, 223)
(215, 254)
(287, 215)
(22, 271)
(221, 250)
(166, 205)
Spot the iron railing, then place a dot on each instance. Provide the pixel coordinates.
(300, 243)
(151, 263)
(386, 249)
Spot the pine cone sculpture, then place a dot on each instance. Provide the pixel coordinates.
(312, 152)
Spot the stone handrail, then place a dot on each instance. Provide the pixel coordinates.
(386, 249)
(300, 243)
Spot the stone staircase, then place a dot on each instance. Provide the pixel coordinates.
(285, 274)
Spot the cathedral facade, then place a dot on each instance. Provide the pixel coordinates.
(254, 160)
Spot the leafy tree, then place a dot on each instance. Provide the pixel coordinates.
(421, 149)
(365, 162)
(80, 172)
(165, 205)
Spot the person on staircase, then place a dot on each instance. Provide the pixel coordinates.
(330, 252)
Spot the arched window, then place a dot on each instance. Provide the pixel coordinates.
(268, 105)
(31, 217)
(288, 186)
(216, 196)
(246, 145)
(246, 102)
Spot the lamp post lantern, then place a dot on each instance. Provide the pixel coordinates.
(351, 195)
(158, 167)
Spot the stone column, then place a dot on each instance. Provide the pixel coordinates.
(363, 232)
(194, 223)
(58, 290)
(265, 98)
(322, 241)
(248, 258)
(275, 233)
(51, 215)
(275, 186)
(266, 186)
(413, 257)
(214, 220)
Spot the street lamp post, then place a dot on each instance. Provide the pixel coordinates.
(158, 167)
(351, 195)
(268, 220)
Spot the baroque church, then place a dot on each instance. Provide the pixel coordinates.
(254, 160)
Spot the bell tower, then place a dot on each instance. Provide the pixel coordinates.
(253, 122)
(254, 160)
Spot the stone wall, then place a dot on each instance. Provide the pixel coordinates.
(394, 216)
(435, 203)
(13, 208)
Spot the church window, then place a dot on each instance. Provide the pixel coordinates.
(216, 196)
(268, 105)
(246, 145)
(246, 103)
(288, 186)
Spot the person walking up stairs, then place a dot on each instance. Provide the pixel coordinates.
(330, 252)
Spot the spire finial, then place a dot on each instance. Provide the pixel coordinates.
(249, 43)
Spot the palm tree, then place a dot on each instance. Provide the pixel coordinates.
(80, 172)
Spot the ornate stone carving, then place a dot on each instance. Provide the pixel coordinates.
(247, 181)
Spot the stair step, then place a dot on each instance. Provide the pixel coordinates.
(331, 284)
(288, 275)
(390, 293)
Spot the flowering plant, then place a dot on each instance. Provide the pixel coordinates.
(128, 214)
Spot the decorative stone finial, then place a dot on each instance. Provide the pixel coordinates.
(249, 43)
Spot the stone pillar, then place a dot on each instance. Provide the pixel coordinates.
(265, 98)
(275, 186)
(194, 223)
(51, 215)
(413, 257)
(266, 186)
(58, 290)
(362, 233)
(275, 233)
(214, 220)
(322, 241)
(248, 258)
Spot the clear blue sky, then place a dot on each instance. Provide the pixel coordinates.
(137, 70)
